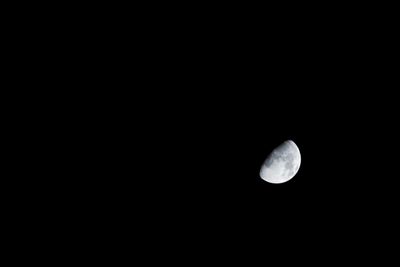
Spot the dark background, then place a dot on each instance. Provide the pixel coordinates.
(163, 121)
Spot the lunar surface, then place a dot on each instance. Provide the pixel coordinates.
(282, 164)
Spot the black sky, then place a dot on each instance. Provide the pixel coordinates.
(143, 130)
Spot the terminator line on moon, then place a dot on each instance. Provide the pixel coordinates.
(282, 164)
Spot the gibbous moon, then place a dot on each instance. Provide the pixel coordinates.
(282, 164)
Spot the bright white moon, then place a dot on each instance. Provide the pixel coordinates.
(282, 164)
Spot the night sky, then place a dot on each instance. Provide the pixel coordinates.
(138, 129)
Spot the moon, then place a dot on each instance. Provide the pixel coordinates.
(282, 164)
